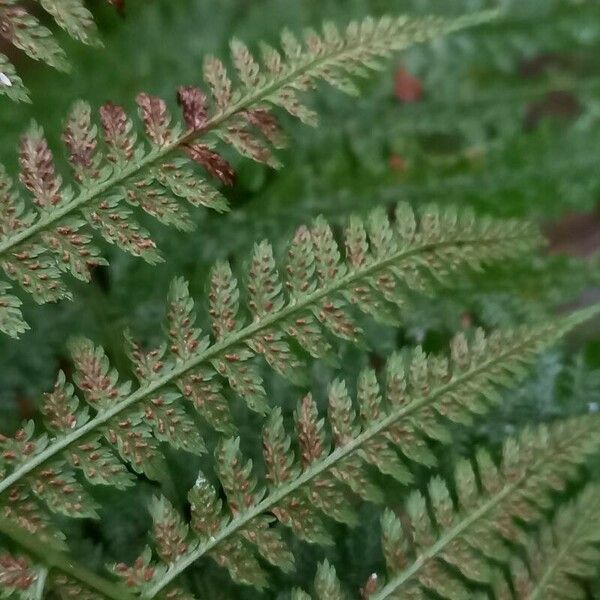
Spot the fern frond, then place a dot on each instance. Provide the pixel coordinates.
(24, 31)
(44, 568)
(327, 585)
(468, 536)
(423, 395)
(45, 242)
(564, 554)
(11, 85)
(11, 320)
(125, 426)
(378, 271)
(74, 18)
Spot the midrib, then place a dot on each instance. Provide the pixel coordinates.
(463, 525)
(221, 347)
(158, 154)
(318, 468)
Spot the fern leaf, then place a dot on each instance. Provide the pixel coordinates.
(47, 569)
(299, 489)
(564, 553)
(200, 367)
(327, 585)
(11, 319)
(74, 18)
(157, 172)
(317, 480)
(11, 85)
(126, 426)
(469, 536)
(24, 31)
(18, 577)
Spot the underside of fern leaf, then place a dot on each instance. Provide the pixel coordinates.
(300, 495)
(564, 554)
(328, 470)
(40, 244)
(423, 393)
(38, 569)
(312, 305)
(22, 29)
(462, 542)
(327, 586)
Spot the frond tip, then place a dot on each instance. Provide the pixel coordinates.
(327, 586)
(564, 553)
(433, 553)
(114, 171)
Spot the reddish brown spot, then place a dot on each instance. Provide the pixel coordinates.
(193, 106)
(407, 88)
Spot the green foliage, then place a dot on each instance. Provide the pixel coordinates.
(327, 585)
(321, 290)
(24, 31)
(160, 488)
(564, 553)
(421, 393)
(469, 535)
(38, 246)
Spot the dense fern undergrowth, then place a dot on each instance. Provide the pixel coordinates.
(299, 300)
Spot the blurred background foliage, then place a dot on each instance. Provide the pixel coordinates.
(504, 119)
